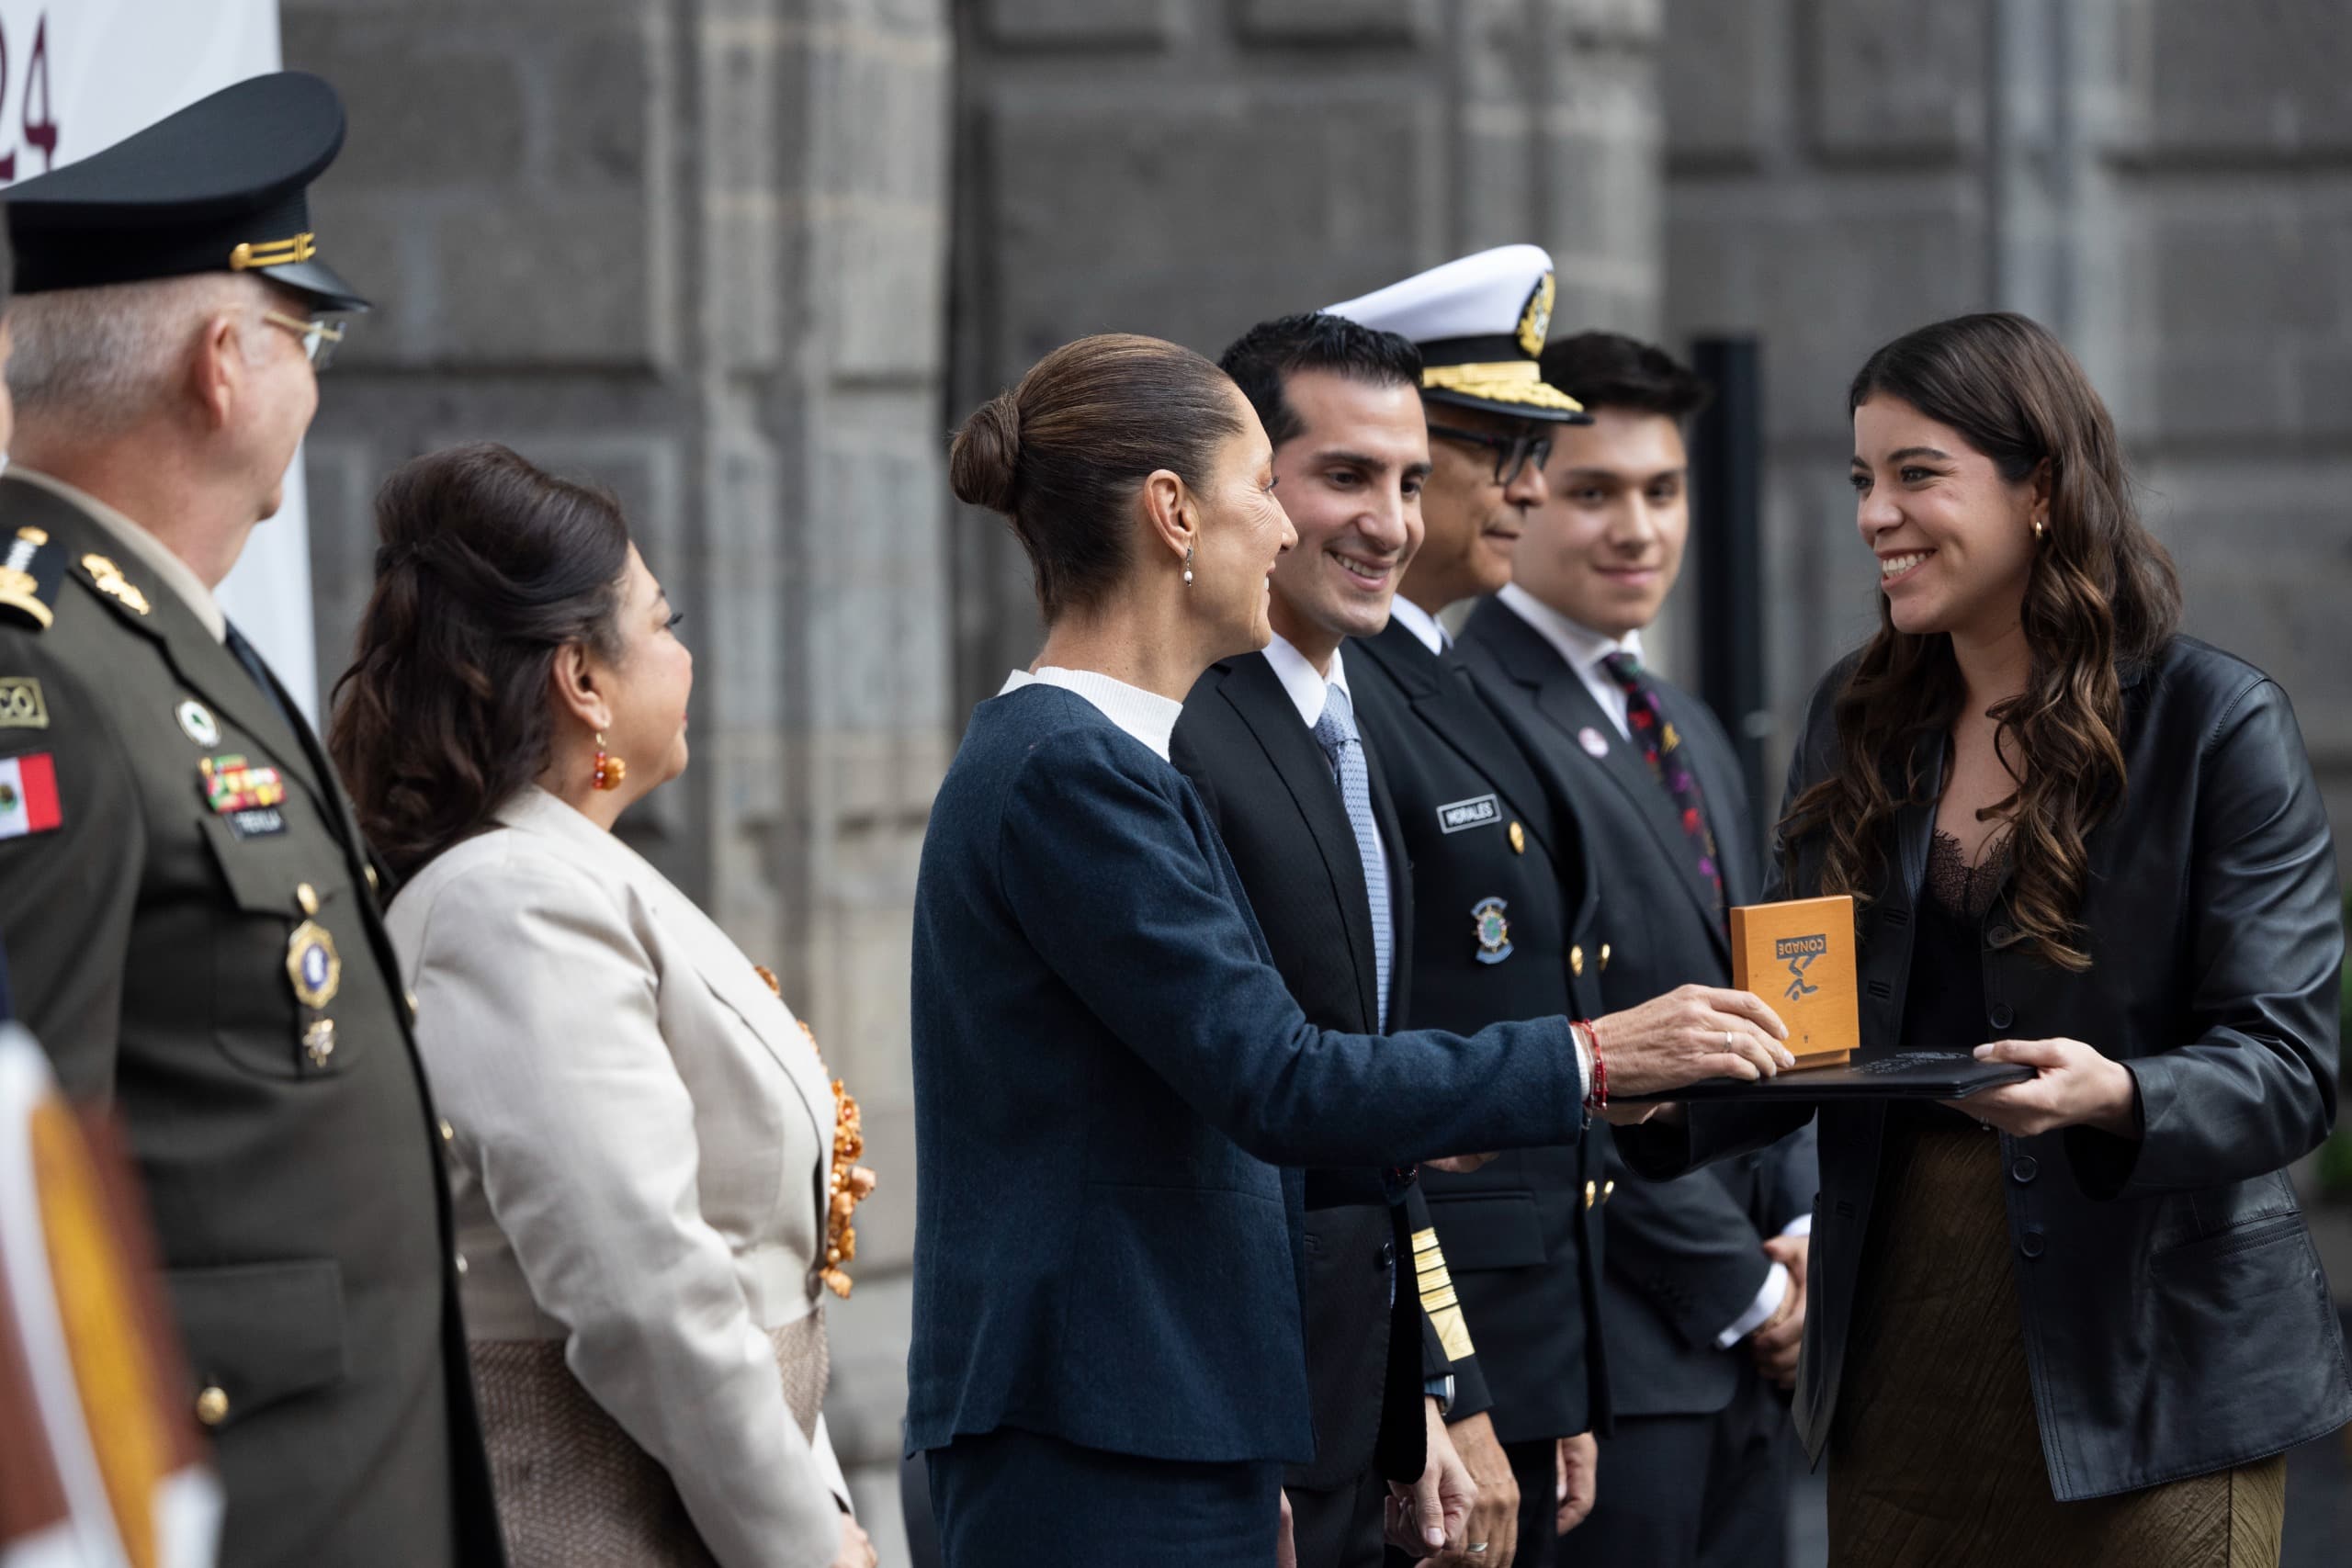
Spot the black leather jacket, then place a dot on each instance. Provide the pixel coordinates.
(2176, 1321)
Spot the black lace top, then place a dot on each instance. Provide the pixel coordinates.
(1962, 889)
(1943, 1007)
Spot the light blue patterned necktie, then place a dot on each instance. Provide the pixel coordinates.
(1336, 731)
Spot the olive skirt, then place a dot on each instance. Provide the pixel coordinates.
(1936, 1456)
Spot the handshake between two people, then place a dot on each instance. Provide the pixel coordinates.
(1690, 1033)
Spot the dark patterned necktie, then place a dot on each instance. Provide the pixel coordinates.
(1661, 748)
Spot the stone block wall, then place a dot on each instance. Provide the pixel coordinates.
(1188, 167)
(2165, 183)
(1824, 190)
(2227, 140)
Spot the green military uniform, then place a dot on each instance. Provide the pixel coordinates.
(192, 921)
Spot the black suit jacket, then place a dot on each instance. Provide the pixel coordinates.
(1521, 1236)
(1685, 1258)
(1269, 787)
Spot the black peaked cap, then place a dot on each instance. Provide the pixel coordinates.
(223, 186)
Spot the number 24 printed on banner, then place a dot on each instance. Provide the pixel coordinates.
(40, 130)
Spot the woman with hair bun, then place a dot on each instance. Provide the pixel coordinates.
(2073, 1321)
(641, 1134)
(1110, 1075)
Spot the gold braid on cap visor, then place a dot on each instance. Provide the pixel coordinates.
(273, 252)
(1502, 381)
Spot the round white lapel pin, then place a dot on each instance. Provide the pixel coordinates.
(197, 723)
(1589, 738)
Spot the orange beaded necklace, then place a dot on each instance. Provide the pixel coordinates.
(847, 1183)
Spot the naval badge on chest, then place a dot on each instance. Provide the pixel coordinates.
(1492, 928)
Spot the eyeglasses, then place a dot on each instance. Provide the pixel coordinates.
(320, 339)
(1512, 453)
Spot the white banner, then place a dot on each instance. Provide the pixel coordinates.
(79, 75)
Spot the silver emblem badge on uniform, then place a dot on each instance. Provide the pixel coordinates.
(196, 723)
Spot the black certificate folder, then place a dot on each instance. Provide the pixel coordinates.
(1904, 1075)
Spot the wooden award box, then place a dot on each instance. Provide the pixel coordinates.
(1799, 956)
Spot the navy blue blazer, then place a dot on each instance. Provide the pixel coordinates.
(1109, 1072)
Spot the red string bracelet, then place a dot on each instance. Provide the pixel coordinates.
(1598, 1096)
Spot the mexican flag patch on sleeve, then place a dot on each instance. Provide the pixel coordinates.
(29, 796)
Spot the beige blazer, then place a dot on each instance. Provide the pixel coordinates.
(641, 1133)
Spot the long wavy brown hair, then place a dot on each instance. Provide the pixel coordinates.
(2102, 598)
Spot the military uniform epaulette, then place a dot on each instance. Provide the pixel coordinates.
(31, 574)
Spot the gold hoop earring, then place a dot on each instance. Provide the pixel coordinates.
(610, 770)
(2040, 529)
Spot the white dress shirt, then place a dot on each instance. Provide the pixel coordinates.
(1583, 648)
(1147, 715)
(1420, 622)
(1768, 1299)
(1308, 689)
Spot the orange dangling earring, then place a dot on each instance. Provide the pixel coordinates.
(610, 770)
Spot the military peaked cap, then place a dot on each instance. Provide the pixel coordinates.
(220, 187)
(1480, 322)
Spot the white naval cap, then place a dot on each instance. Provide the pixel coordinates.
(1479, 323)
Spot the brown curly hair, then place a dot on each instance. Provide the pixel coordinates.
(486, 565)
(2102, 599)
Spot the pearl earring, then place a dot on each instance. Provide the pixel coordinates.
(1188, 566)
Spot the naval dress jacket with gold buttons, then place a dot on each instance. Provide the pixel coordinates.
(193, 935)
(2176, 1321)
(1500, 904)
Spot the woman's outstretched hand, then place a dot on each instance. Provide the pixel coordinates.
(1691, 1032)
(2074, 1087)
